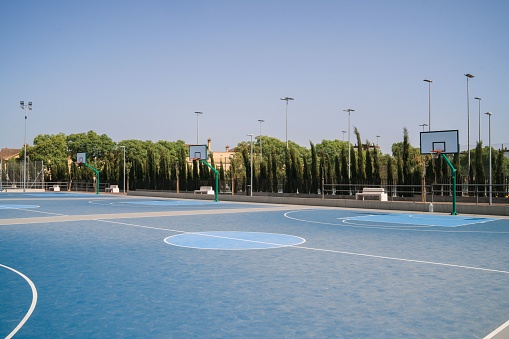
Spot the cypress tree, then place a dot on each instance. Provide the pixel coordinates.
(376, 167)
(369, 165)
(353, 164)
(344, 164)
(315, 174)
(499, 171)
(275, 179)
(361, 170)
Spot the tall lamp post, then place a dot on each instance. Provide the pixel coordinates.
(286, 99)
(260, 121)
(429, 102)
(25, 107)
(343, 135)
(251, 190)
(349, 110)
(469, 76)
(123, 148)
(489, 129)
(423, 179)
(198, 126)
(479, 99)
(377, 140)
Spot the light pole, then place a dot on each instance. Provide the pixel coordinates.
(251, 191)
(343, 135)
(287, 99)
(25, 107)
(489, 133)
(469, 76)
(423, 125)
(123, 148)
(429, 102)
(377, 140)
(260, 121)
(349, 110)
(479, 99)
(198, 126)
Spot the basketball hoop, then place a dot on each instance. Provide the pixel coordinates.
(436, 153)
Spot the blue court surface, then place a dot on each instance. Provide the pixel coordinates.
(104, 266)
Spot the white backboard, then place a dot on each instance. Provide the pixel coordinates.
(198, 152)
(81, 157)
(445, 141)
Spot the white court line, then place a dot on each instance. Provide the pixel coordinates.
(498, 331)
(140, 226)
(32, 305)
(41, 212)
(342, 252)
(404, 260)
(347, 222)
(31, 210)
(248, 240)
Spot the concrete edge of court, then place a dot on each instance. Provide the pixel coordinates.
(439, 207)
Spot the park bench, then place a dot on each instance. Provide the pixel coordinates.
(204, 190)
(372, 191)
(112, 189)
(55, 188)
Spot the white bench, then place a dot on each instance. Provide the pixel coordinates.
(204, 190)
(112, 189)
(55, 188)
(372, 191)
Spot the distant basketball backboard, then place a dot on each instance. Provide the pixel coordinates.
(199, 152)
(445, 141)
(81, 157)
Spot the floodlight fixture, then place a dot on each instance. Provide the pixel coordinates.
(287, 99)
(251, 190)
(489, 129)
(260, 121)
(429, 102)
(25, 107)
(469, 76)
(198, 126)
(349, 110)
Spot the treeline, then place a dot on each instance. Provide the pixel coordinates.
(164, 165)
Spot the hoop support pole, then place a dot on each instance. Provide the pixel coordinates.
(216, 174)
(96, 173)
(453, 170)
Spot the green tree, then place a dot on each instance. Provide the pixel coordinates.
(353, 164)
(361, 170)
(94, 145)
(499, 171)
(369, 165)
(315, 175)
(52, 150)
(377, 178)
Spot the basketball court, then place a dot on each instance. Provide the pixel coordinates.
(95, 266)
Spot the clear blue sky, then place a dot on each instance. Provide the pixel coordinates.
(140, 69)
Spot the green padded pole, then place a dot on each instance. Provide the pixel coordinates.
(97, 173)
(453, 170)
(216, 174)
